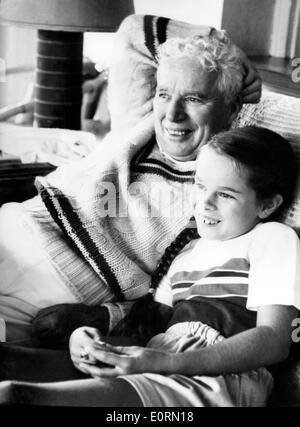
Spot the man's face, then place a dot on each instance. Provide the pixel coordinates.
(188, 107)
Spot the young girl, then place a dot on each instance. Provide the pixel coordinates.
(233, 293)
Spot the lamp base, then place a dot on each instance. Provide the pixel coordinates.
(58, 87)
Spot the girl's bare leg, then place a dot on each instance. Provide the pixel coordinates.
(88, 392)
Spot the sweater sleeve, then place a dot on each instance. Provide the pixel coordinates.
(117, 311)
(274, 276)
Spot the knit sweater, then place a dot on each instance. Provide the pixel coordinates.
(105, 220)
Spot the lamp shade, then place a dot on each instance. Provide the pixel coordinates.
(66, 15)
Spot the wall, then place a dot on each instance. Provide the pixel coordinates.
(18, 49)
(249, 24)
(98, 47)
(201, 12)
(2, 64)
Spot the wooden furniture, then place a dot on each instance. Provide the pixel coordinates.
(277, 74)
(30, 143)
(17, 179)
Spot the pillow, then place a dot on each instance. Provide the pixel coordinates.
(281, 114)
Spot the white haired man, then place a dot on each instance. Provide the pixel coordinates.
(87, 245)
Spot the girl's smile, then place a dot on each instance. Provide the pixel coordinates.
(225, 205)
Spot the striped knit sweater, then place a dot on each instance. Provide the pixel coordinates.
(106, 220)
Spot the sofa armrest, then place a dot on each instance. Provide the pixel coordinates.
(287, 380)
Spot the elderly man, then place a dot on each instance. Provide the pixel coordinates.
(197, 94)
(89, 243)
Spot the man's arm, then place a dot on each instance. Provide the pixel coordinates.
(53, 325)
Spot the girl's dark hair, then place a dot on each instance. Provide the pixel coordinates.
(148, 317)
(272, 170)
(268, 158)
(184, 237)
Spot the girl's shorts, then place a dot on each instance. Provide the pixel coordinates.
(233, 390)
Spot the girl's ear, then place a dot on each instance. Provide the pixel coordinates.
(269, 206)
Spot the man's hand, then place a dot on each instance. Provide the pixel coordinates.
(53, 325)
(251, 92)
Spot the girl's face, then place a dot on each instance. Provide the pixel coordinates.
(225, 205)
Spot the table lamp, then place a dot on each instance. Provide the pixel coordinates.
(60, 24)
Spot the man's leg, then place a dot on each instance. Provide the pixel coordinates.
(37, 365)
(88, 392)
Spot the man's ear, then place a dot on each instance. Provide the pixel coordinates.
(269, 206)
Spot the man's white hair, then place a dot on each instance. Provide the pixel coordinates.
(213, 53)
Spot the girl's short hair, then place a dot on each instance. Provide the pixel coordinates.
(214, 52)
(268, 159)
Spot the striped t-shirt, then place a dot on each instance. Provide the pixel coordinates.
(222, 283)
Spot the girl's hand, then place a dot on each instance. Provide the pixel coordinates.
(82, 339)
(126, 360)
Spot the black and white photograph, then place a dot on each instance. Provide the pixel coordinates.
(149, 206)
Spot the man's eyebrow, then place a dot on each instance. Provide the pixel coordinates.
(187, 93)
(196, 93)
